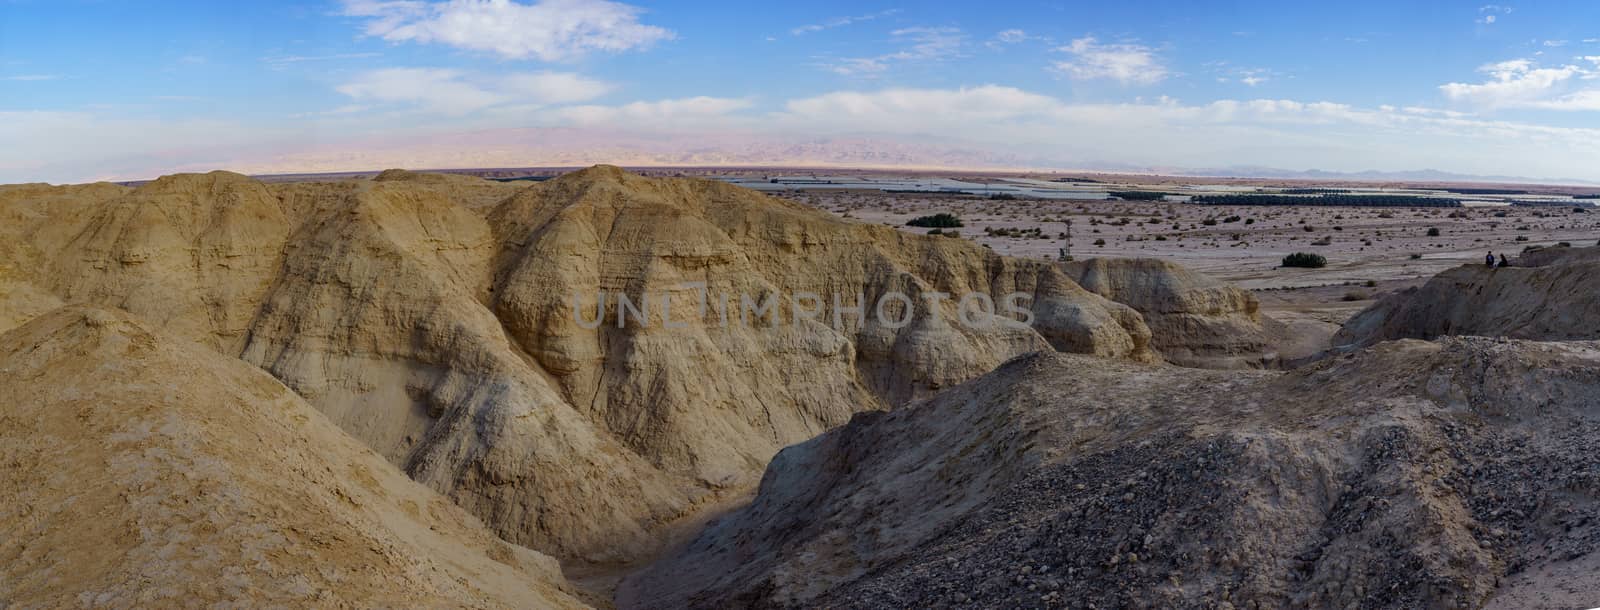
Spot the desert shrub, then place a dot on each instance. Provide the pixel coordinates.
(1355, 295)
(942, 220)
(1099, 242)
(1522, 238)
(1416, 257)
(1371, 284)
(1305, 260)
(1210, 222)
(1309, 228)
(1433, 231)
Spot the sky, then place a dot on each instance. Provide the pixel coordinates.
(126, 90)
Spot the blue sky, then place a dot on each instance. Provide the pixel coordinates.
(111, 89)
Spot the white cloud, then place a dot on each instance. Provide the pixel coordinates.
(840, 22)
(664, 115)
(554, 87)
(548, 30)
(1491, 13)
(280, 62)
(454, 92)
(1521, 83)
(32, 77)
(1129, 64)
(1555, 43)
(921, 44)
(1011, 36)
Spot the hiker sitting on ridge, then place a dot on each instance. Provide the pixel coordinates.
(1488, 259)
(1503, 261)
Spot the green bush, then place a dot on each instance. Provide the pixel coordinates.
(941, 220)
(1305, 260)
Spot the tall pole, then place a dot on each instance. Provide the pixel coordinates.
(1066, 251)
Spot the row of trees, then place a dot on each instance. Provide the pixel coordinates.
(1314, 191)
(1478, 191)
(1138, 195)
(1377, 201)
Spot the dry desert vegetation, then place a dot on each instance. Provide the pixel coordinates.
(375, 391)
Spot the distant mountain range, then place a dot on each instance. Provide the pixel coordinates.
(570, 147)
(1421, 175)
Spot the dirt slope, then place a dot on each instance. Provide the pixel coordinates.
(144, 471)
(1413, 474)
(1548, 295)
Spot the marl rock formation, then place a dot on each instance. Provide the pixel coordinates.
(142, 470)
(1194, 320)
(1548, 295)
(433, 318)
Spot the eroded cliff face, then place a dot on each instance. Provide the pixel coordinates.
(432, 318)
(1194, 320)
(143, 470)
(1549, 295)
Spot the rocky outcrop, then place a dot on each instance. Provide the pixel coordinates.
(1547, 295)
(432, 318)
(35, 221)
(1448, 474)
(1194, 320)
(143, 471)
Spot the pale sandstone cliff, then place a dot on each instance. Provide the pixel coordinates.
(1194, 320)
(141, 470)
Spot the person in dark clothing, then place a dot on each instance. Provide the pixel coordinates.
(1488, 259)
(1503, 261)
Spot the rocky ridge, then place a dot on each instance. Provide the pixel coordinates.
(1547, 295)
(432, 318)
(1449, 474)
